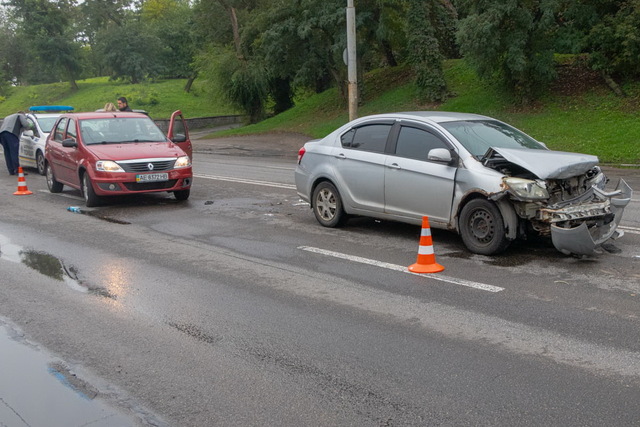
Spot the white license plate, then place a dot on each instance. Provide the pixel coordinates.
(152, 177)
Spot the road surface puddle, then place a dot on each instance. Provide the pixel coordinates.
(36, 389)
(48, 265)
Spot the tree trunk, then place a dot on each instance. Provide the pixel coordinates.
(187, 87)
(615, 87)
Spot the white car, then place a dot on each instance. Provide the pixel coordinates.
(41, 118)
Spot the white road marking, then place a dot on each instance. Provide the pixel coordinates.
(632, 230)
(247, 181)
(403, 269)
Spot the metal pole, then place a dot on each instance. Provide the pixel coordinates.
(351, 61)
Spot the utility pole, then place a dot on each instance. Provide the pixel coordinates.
(351, 60)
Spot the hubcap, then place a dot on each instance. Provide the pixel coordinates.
(326, 205)
(481, 225)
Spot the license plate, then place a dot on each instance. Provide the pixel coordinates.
(152, 177)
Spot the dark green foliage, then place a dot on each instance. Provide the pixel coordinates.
(512, 42)
(131, 52)
(424, 51)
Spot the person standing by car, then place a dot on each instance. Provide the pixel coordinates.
(123, 104)
(12, 127)
(109, 107)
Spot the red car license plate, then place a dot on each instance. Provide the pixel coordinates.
(152, 177)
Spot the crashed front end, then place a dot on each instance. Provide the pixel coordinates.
(562, 195)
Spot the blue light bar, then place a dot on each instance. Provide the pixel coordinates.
(51, 108)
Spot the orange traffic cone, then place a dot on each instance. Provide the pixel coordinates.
(426, 262)
(22, 184)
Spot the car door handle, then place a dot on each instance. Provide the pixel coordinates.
(394, 166)
(340, 156)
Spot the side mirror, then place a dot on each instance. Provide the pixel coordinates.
(69, 143)
(179, 138)
(28, 133)
(441, 155)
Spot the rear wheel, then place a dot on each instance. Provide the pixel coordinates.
(90, 197)
(40, 162)
(327, 205)
(482, 227)
(182, 194)
(54, 186)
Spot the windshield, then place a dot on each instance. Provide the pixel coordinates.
(117, 130)
(478, 136)
(46, 123)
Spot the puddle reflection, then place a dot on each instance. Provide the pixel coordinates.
(50, 266)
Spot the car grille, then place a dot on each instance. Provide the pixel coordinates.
(158, 165)
(147, 186)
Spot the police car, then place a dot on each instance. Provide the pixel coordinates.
(32, 142)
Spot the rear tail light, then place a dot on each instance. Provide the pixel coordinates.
(300, 154)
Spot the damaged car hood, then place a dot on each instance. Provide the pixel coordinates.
(547, 164)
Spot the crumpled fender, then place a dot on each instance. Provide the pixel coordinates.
(581, 240)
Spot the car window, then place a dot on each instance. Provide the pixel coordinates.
(477, 136)
(416, 143)
(367, 138)
(59, 133)
(46, 123)
(71, 129)
(116, 130)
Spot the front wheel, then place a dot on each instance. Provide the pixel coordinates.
(482, 227)
(327, 205)
(54, 186)
(182, 194)
(90, 197)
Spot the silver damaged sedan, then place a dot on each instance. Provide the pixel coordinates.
(473, 174)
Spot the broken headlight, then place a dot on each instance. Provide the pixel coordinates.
(526, 189)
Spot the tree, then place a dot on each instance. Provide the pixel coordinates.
(131, 52)
(47, 27)
(425, 54)
(511, 41)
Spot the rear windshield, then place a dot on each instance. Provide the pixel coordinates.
(117, 130)
(478, 136)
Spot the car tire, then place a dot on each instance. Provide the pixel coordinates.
(482, 227)
(327, 205)
(40, 163)
(53, 185)
(182, 194)
(90, 197)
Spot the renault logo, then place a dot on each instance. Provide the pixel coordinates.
(150, 166)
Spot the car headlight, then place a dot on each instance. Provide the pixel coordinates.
(526, 188)
(182, 162)
(108, 166)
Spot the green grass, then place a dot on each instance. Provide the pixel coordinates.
(592, 121)
(160, 99)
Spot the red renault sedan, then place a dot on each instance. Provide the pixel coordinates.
(113, 153)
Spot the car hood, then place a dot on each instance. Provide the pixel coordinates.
(547, 164)
(136, 150)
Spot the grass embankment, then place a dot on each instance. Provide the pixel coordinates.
(580, 115)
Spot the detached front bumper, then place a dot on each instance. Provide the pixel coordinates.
(582, 239)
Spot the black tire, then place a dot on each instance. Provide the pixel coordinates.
(90, 197)
(54, 186)
(40, 163)
(482, 227)
(327, 205)
(182, 194)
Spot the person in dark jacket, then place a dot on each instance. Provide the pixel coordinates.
(123, 104)
(10, 131)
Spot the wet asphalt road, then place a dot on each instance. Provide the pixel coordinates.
(213, 312)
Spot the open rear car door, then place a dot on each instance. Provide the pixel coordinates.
(179, 133)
